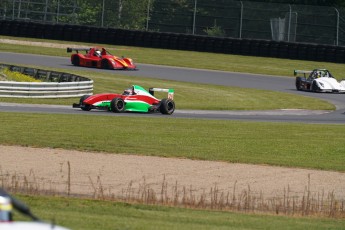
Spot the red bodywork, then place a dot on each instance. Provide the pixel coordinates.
(103, 61)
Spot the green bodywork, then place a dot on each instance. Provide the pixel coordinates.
(137, 106)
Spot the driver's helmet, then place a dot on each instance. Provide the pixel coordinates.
(128, 91)
(98, 53)
(5, 209)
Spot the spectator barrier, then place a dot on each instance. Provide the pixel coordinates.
(250, 47)
(54, 84)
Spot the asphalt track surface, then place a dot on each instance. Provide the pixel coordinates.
(280, 84)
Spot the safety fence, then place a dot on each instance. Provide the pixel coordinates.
(250, 47)
(221, 18)
(54, 84)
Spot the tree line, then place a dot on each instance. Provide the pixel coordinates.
(331, 3)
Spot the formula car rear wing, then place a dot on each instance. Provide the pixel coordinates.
(169, 91)
(304, 72)
(69, 50)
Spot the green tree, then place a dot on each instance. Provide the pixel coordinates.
(334, 3)
(127, 14)
(172, 16)
(215, 31)
(89, 12)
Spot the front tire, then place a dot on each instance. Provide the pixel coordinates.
(76, 61)
(117, 105)
(84, 107)
(105, 64)
(167, 106)
(315, 88)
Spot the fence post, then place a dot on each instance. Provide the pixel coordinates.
(58, 11)
(19, 8)
(337, 36)
(45, 11)
(194, 15)
(240, 35)
(102, 14)
(289, 23)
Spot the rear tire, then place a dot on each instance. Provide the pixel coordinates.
(167, 106)
(76, 61)
(117, 105)
(298, 83)
(81, 102)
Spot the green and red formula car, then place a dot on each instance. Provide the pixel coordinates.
(99, 57)
(133, 99)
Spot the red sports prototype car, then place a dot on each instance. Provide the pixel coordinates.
(100, 58)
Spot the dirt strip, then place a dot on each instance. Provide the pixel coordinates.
(41, 44)
(114, 172)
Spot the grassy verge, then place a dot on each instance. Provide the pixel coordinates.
(90, 214)
(284, 144)
(195, 96)
(200, 60)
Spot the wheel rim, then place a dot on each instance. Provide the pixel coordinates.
(120, 104)
(170, 106)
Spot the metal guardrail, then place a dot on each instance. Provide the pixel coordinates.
(54, 84)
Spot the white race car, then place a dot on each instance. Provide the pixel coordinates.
(319, 80)
(8, 203)
(20, 225)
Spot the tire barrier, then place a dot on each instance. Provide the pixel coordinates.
(54, 84)
(112, 36)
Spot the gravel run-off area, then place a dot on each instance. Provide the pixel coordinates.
(86, 171)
